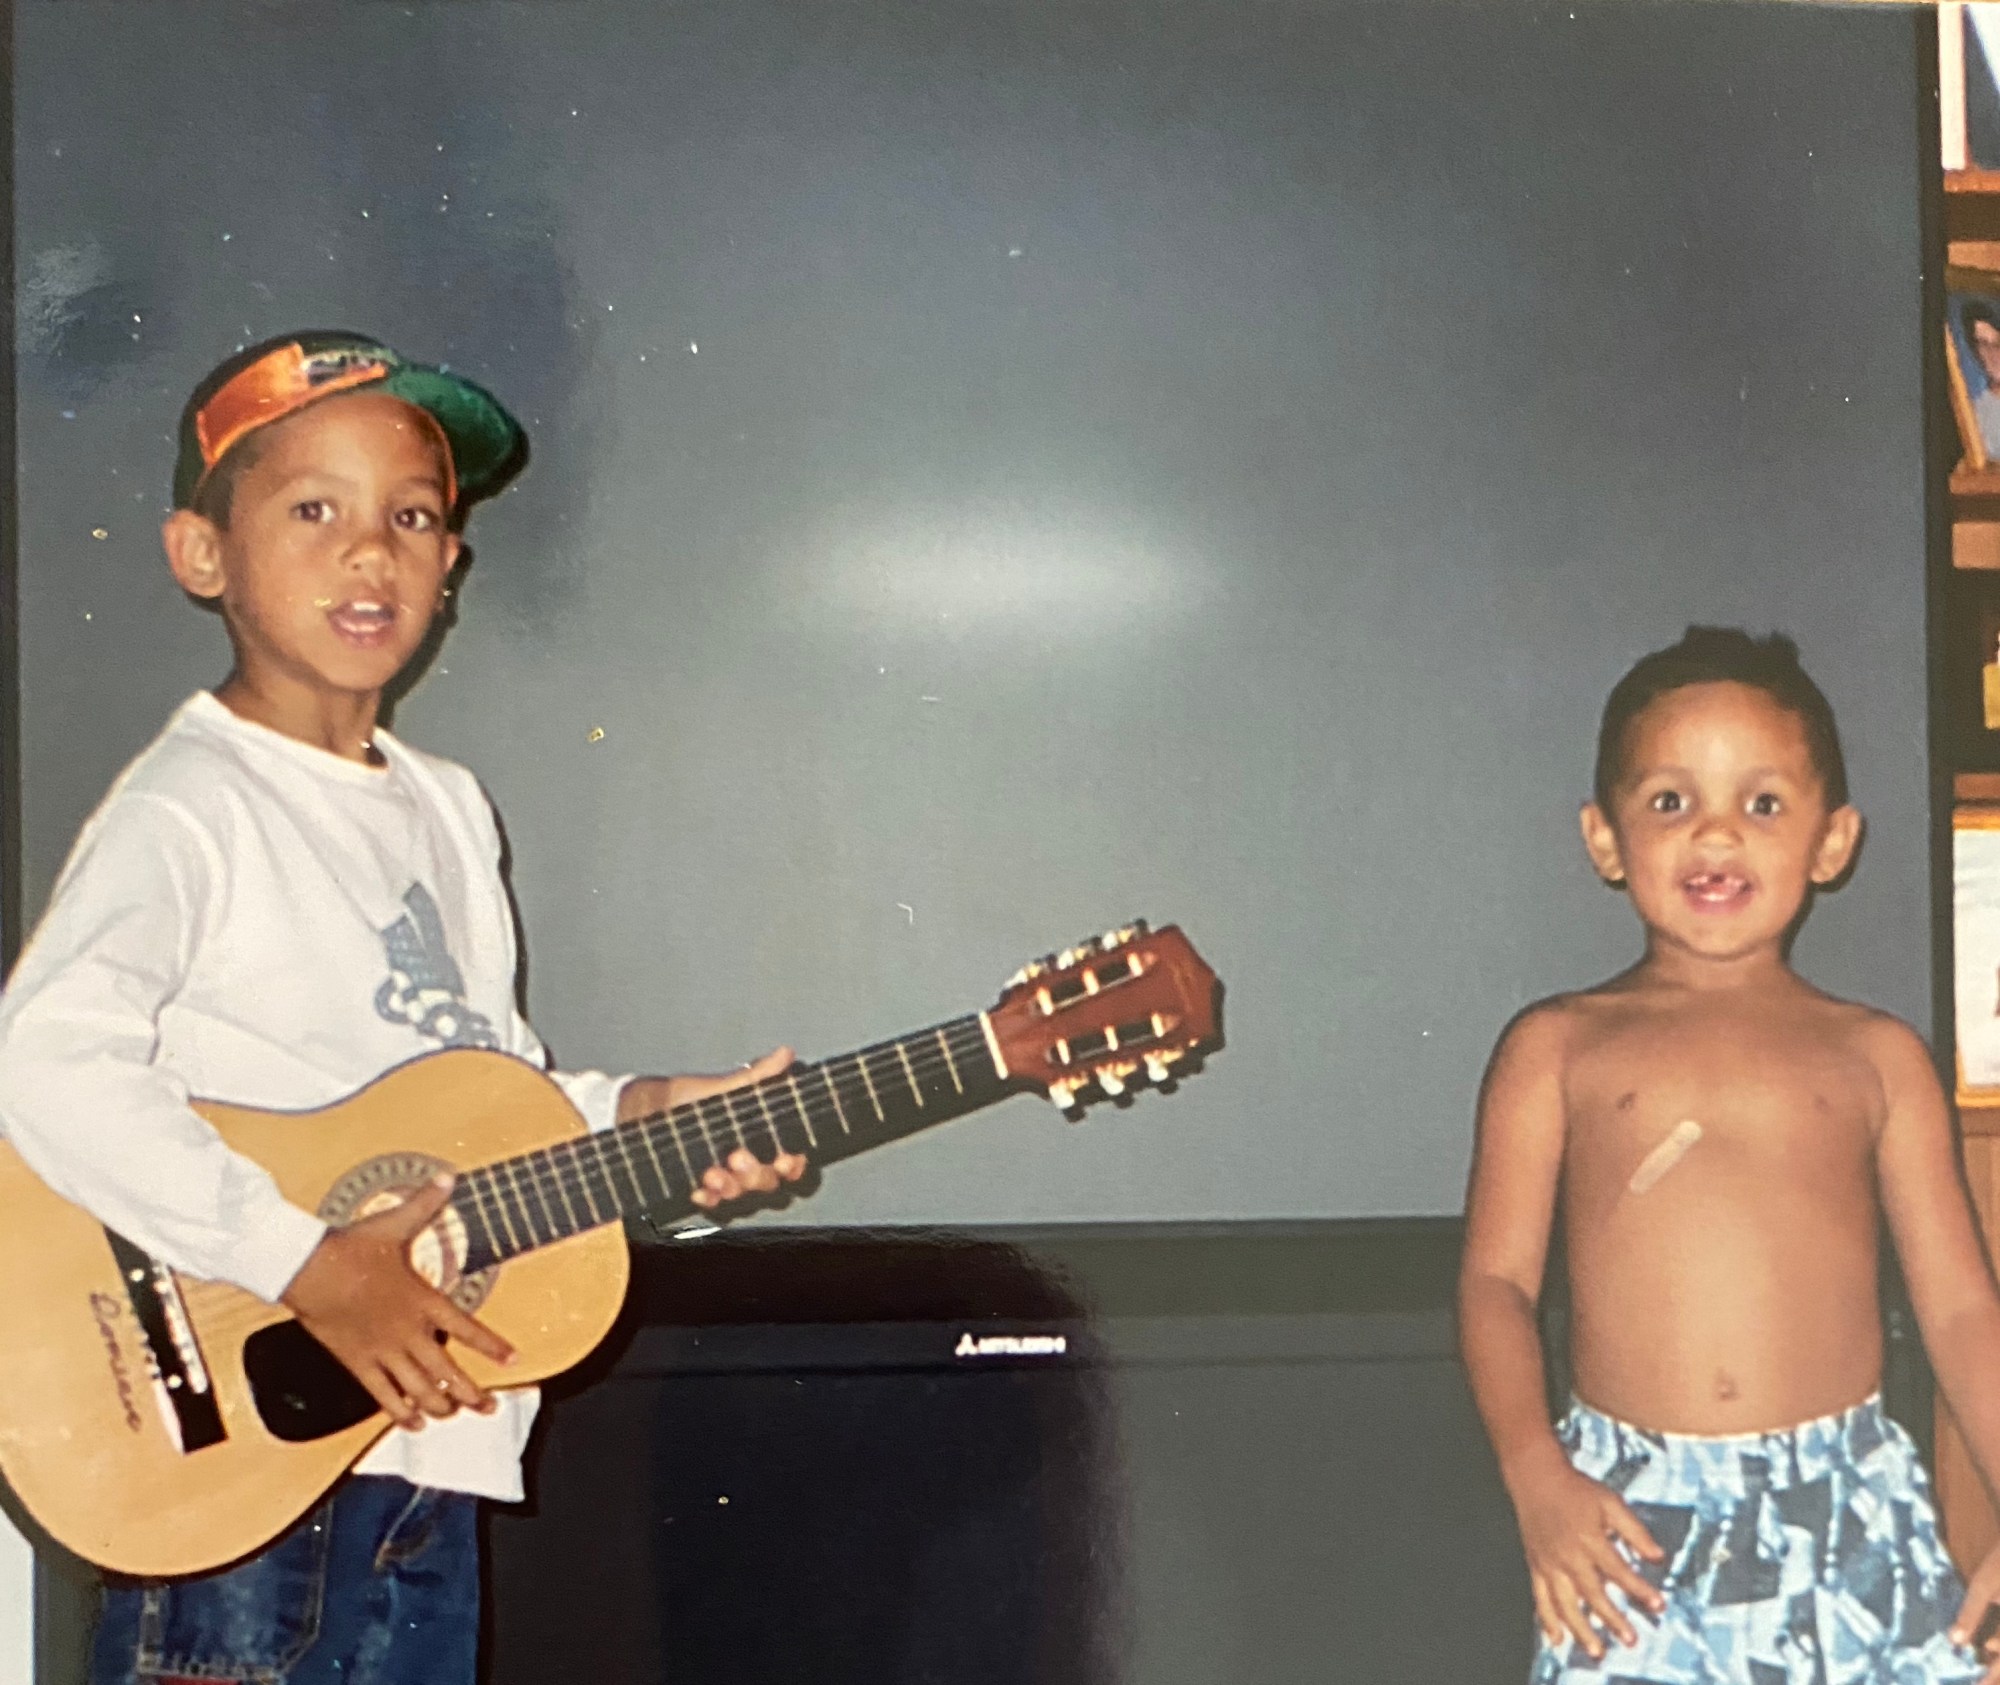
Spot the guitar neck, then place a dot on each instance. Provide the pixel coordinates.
(830, 1110)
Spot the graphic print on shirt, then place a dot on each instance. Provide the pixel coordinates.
(425, 989)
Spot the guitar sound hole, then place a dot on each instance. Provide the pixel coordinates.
(302, 1390)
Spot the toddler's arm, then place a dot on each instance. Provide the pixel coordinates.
(1944, 1266)
(1568, 1523)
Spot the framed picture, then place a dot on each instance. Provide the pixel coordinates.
(1972, 359)
(1968, 90)
(1975, 841)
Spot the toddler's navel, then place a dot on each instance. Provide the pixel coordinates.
(1665, 1156)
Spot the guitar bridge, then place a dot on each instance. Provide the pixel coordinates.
(180, 1380)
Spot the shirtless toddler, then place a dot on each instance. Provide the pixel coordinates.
(1725, 1502)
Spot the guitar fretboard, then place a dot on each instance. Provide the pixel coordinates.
(829, 1110)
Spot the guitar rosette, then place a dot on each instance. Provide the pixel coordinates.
(438, 1253)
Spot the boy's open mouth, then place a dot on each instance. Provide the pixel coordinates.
(1716, 891)
(364, 620)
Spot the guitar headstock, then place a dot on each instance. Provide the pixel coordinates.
(1114, 1010)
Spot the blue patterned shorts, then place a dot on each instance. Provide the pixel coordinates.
(1808, 1556)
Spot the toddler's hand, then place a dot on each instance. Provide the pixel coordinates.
(1571, 1527)
(1976, 1615)
(358, 1296)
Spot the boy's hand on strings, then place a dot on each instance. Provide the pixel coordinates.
(743, 1173)
(1977, 1625)
(1571, 1529)
(358, 1295)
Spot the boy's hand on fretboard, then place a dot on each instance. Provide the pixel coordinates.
(743, 1172)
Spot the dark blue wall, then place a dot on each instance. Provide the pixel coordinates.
(1006, 468)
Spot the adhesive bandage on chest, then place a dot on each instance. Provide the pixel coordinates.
(1665, 1156)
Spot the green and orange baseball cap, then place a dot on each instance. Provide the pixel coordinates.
(279, 377)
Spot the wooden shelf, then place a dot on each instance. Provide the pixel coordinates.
(1978, 1112)
(1976, 788)
(1972, 204)
(1975, 482)
(1969, 262)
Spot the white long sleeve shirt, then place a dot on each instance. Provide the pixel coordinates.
(249, 919)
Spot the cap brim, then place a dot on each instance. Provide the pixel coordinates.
(488, 445)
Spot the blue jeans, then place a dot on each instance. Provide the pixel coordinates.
(378, 1586)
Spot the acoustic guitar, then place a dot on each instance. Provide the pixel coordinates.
(158, 1424)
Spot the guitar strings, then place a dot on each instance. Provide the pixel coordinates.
(542, 1173)
(685, 1126)
(480, 1191)
(687, 1122)
(558, 1167)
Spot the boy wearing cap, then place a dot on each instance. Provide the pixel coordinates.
(277, 902)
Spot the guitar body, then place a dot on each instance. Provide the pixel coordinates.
(160, 1426)
(85, 1435)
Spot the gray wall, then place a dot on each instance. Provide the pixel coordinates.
(1005, 468)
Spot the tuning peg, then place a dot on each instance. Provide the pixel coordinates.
(1063, 1092)
(1157, 1068)
(1111, 1082)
